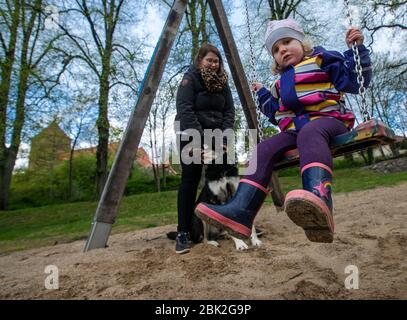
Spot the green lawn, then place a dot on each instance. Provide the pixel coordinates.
(36, 227)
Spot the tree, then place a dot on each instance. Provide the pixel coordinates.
(102, 48)
(167, 111)
(25, 46)
(282, 9)
(152, 128)
(197, 23)
(77, 124)
(388, 17)
(158, 125)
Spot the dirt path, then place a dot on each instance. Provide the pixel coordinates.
(371, 233)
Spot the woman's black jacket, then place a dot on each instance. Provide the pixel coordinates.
(199, 109)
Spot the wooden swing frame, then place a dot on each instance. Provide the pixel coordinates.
(368, 134)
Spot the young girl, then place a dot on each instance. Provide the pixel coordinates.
(307, 104)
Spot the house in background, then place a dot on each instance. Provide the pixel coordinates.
(52, 145)
(47, 147)
(142, 158)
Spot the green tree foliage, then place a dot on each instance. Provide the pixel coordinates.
(102, 45)
(26, 46)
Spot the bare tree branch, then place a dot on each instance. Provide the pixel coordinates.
(86, 57)
(3, 43)
(86, 13)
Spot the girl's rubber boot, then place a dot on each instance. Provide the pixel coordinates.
(311, 208)
(238, 214)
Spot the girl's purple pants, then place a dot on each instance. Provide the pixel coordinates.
(312, 142)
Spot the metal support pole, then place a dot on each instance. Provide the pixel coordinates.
(106, 211)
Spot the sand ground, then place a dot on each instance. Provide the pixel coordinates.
(371, 234)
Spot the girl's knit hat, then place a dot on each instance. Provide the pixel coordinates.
(279, 29)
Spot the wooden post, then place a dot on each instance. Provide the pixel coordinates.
(234, 62)
(276, 193)
(113, 190)
(242, 87)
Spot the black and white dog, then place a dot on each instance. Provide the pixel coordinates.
(221, 181)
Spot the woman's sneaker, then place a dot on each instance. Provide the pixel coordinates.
(182, 242)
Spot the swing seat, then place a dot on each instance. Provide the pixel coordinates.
(370, 133)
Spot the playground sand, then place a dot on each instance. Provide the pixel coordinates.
(371, 234)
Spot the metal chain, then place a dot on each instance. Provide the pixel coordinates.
(253, 76)
(360, 79)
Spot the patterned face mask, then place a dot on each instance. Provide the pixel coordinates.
(213, 81)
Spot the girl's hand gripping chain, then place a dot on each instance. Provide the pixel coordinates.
(354, 34)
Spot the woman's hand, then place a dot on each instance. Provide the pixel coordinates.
(354, 34)
(256, 86)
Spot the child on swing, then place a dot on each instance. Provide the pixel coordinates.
(308, 106)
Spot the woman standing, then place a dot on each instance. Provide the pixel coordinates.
(204, 101)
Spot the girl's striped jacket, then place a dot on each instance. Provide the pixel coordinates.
(314, 88)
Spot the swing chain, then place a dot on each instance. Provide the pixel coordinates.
(360, 79)
(253, 76)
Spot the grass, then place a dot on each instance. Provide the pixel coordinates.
(48, 225)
